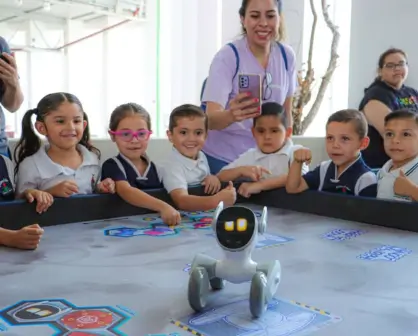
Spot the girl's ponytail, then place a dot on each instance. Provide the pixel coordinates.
(29, 142)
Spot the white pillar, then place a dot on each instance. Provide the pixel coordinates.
(231, 25)
(294, 16)
(106, 109)
(209, 41)
(66, 56)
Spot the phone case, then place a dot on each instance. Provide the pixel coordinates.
(250, 83)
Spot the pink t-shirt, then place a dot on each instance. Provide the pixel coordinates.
(229, 143)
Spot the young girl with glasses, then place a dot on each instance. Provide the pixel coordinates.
(131, 169)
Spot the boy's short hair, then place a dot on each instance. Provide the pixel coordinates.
(186, 111)
(401, 114)
(272, 109)
(351, 116)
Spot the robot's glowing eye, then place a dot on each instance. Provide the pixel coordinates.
(242, 224)
(229, 226)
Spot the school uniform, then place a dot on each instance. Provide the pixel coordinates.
(181, 172)
(38, 171)
(277, 163)
(120, 168)
(357, 179)
(7, 185)
(405, 97)
(387, 177)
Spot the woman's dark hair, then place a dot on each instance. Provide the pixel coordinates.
(126, 110)
(281, 33)
(30, 143)
(382, 60)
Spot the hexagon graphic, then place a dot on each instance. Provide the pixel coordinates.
(64, 318)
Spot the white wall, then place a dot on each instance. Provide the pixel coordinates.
(105, 70)
(377, 26)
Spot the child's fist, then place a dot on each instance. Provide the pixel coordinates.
(303, 155)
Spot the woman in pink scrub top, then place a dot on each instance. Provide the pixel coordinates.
(230, 117)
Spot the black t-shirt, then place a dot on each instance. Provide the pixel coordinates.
(405, 97)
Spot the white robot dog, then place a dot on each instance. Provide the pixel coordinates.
(236, 230)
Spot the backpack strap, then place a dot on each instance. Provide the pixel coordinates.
(283, 51)
(234, 49)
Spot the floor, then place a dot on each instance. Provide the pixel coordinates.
(130, 277)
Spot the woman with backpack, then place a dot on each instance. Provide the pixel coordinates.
(258, 51)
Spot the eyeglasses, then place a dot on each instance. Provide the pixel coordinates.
(267, 91)
(393, 66)
(128, 135)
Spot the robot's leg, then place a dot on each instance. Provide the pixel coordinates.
(202, 273)
(273, 272)
(209, 264)
(264, 286)
(198, 288)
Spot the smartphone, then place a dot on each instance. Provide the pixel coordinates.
(4, 58)
(251, 84)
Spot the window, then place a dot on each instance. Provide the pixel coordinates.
(336, 97)
(86, 77)
(102, 68)
(131, 68)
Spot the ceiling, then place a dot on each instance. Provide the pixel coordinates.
(62, 10)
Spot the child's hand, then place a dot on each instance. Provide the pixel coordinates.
(170, 216)
(303, 155)
(212, 184)
(247, 189)
(27, 238)
(255, 173)
(43, 199)
(107, 186)
(403, 186)
(64, 189)
(228, 195)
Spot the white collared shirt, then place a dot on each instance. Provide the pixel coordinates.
(38, 171)
(277, 163)
(386, 179)
(181, 172)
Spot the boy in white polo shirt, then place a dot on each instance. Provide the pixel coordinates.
(187, 165)
(398, 178)
(267, 165)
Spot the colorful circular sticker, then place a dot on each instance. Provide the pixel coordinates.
(87, 319)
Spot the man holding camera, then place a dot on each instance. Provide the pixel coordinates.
(11, 96)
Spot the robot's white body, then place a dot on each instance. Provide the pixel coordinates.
(236, 230)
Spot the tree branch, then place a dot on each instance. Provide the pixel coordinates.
(312, 38)
(330, 70)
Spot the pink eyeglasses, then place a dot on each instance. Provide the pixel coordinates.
(128, 135)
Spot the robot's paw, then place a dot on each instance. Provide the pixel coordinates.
(198, 288)
(217, 283)
(258, 298)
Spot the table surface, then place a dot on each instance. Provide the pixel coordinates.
(338, 278)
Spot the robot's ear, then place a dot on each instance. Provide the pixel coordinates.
(218, 210)
(262, 225)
